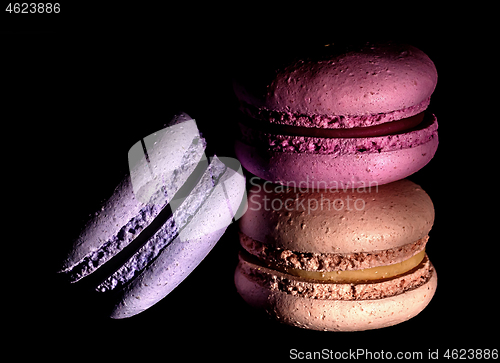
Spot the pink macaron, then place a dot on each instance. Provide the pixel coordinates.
(342, 117)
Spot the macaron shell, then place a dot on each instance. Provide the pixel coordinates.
(124, 205)
(354, 169)
(322, 221)
(373, 79)
(176, 261)
(336, 315)
(166, 153)
(164, 274)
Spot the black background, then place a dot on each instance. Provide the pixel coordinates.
(81, 89)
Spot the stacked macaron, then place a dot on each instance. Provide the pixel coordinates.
(333, 238)
(337, 260)
(348, 117)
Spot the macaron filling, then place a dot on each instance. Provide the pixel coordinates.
(338, 268)
(274, 280)
(356, 276)
(287, 260)
(422, 129)
(384, 129)
(329, 120)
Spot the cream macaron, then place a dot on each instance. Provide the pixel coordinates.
(334, 259)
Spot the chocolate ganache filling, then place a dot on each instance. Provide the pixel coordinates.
(415, 122)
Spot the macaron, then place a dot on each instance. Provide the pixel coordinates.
(160, 222)
(339, 115)
(154, 180)
(181, 243)
(337, 260)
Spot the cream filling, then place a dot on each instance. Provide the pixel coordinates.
(356, 276)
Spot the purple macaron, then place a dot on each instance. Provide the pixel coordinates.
(161, 220)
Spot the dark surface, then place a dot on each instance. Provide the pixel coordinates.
(80, 99)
